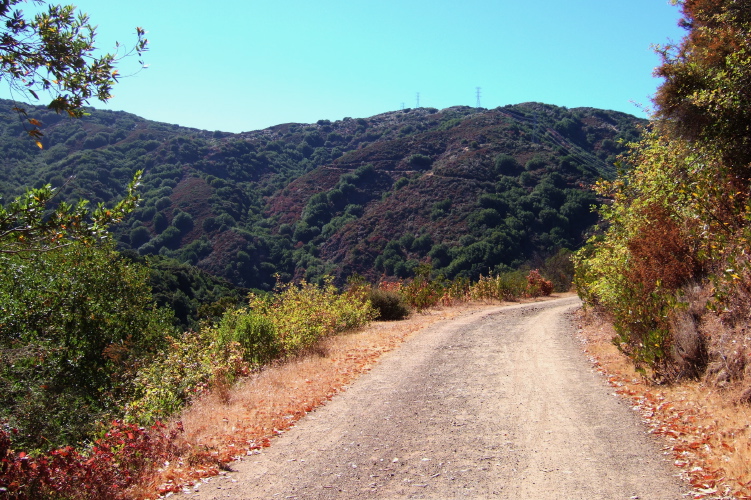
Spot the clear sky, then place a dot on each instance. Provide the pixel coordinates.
(237, 65)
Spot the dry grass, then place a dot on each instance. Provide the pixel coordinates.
(704, 428)
(237, 421)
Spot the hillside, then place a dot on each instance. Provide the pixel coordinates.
(467, 190)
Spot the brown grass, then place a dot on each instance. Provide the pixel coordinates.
(703, 427)
(239, 420)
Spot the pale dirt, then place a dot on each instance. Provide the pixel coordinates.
(497, 403)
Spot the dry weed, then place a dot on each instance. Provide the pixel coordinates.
(704, 428)
(237, 421)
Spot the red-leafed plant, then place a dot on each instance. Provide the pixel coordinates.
(537, 286)
(123, 457)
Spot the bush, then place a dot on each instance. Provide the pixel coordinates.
(535, 163)
(160, 222)
(422, 292)
(537, 286)
(183, 221)
(75, 325)
(560, 269)
(505, 286)
(507, 165)
(124, 457)
(163, 203)
(390, 306)
(637, 277)
(254, 333)
(192, 363)
(419, 161)
(303, 314)
(138, 236)
(403, 181)
(209, 224)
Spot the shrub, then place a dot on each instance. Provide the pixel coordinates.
(536, 163)
(507, 165)
(146, 213)
(138, 236)
(163, 203)
(193, 362)
(124, 457)
(389, 305)
(75, 325)
(560, 269)
(440, 209)
(183, 221)
(302, 314)
(422, 292)
(160, 222)
(419, 161)
(209, 224)
(637, 278)
(537, 286)
(505, 286)
(254, 333)
(455, 291)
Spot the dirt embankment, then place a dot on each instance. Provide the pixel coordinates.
(496, 403)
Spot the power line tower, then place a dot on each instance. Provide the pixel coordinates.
(418, 100)
(478, 97)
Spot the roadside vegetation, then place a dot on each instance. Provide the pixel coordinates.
(670, 267)
(112, 328)
(96, 429)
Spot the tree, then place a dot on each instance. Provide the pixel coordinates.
(76, 320)
(26, 227)
(54, 53)
(75, 326)
(680, 214)
(706, 95)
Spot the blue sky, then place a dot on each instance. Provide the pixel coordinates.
(245, 65)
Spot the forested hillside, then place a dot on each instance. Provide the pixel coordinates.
(467, 190)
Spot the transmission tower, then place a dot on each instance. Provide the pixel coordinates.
(418, 100)
(478, 97)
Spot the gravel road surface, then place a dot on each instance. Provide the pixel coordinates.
(499, 403)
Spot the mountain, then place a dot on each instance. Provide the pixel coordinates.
(467, 190)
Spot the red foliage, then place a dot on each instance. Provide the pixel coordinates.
(537, 286)
(126, 454)
(661, 254)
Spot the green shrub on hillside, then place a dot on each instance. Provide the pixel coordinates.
(254, 333)
(75, 326)
(390, 305)
(302, 314)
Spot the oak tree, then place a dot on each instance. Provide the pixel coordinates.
(54, 53)
(706, 93)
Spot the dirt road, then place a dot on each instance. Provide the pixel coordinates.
(499, 403)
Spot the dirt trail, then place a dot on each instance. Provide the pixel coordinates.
(498, 403)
